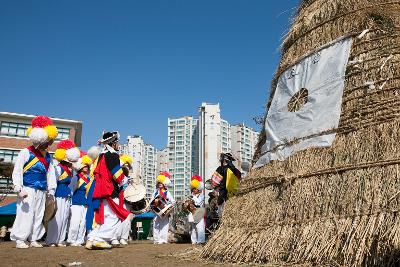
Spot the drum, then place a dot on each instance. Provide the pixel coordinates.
(216, 179)
(49, 210)
(135, 198)
(197, 213)
(209, 185)
(161, 206)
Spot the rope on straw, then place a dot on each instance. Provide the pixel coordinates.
(262, 182)
(255, 227)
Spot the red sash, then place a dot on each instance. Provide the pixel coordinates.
(39, 156)
(66, 169)
(83, 177)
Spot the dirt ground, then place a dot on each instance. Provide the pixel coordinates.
(138, 253)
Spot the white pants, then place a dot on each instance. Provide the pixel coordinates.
(77, 225)
(124, 228)
(28, 221)
(57, 228)
(198, 232)
(107, 231)
(160, 229)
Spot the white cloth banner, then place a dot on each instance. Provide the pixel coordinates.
(322, 74)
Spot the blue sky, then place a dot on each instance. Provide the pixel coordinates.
(129, 65)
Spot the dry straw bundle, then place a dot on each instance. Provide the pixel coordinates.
(338, 205)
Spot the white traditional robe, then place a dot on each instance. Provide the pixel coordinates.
(30, 210)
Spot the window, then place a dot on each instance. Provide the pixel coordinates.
(8, 155)
(19, 130)
(14, 129)
(63, 133)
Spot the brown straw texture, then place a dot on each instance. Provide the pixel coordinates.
(340, 205)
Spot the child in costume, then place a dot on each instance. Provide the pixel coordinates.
(77, 226)
(66, 154)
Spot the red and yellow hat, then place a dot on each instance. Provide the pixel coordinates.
(196, 182)
(42, 130)
(164, 178)
(67, 151)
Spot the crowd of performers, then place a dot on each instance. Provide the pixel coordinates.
(88, 190)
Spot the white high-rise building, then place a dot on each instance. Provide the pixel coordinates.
(134, 147)
(226, 144)
(149, 169)
(144, 161)
(182, 154)
(162, 161)
(214, 138)
(244, 141)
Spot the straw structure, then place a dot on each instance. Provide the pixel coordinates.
(338, 205)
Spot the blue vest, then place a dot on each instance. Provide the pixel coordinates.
(79, 197)
(36, 176)
(63, 189)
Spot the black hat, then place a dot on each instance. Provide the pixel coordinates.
(109, 137)
(227, 156)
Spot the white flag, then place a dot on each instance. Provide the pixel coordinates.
(321, 76)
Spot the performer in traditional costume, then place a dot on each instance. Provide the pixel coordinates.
(66, 154)
(122, 233)
(109, 178)
(77, 226)
(197, 230)
(33, 174)
(161, 223)
(225, 179)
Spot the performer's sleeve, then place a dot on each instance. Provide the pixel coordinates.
(220, 170)
(74, 183)
(200, 200)
(51, 179)
(171, 198)
(57, 172)
(113, 164)
(17, 175)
